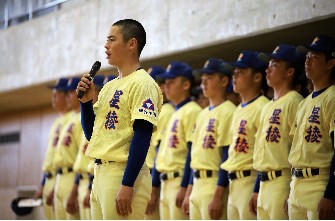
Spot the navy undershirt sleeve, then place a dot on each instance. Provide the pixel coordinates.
(190, 181)
(87, 118)
(90, 177)
(187, 168)
(330, 190)
(138, 151)
(156, 182)
(257, 183)
(77, 178)
(223, 174)
(43, 179)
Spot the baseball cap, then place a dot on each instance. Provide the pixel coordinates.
(20, 211)
(215, 65)
(252, 59)
(287, 53)
(98, 80)
(108, 78)
(61, 84)
(72, 83)
(178, 69)
(155, 71)
(324, 44)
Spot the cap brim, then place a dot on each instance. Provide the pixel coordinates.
(239, 64)
(204, 71)
(167, 76)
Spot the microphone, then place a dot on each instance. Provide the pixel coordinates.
(95, 68)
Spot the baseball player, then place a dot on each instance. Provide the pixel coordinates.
(210, 144)
(312, 193)
(247, 80)
(174, 150)
(120, 127)
(273, 142)
(60, 105)
(152, 212)
(65, 156)
(90, 166)
(80, 167)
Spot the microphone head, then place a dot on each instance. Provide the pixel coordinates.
(96, 65)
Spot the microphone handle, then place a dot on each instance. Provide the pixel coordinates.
(95, 68)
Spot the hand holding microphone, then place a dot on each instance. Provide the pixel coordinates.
(83, 87)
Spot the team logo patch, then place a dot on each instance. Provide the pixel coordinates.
(276, 50)
(148, 108)
(315, 40)
(240, 57)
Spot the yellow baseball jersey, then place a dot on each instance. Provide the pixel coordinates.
(211, 133)
(172, 152)
(163, 119)
(120, 103)
(244, 127)
(273, 142)
(52, 143)
(312, 146)
(82, 161)
(69, 140)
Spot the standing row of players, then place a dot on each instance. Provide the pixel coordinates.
(222, 161)
(262, 159)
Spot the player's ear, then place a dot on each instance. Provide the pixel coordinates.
(224, 81)
(258, 77)
(132, 44)
(290, 72)
(331, 64)
(186, 85)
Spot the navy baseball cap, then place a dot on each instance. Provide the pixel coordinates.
(98, 80)
(72, 83)
(109, 78)
(324, 44)
(215, 65)
(155, 72)
(252, 59)
(61, 84)
(287, 53)
(178, 69)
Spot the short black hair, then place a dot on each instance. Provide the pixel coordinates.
(131, 28)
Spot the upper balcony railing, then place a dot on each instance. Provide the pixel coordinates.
(13, 12)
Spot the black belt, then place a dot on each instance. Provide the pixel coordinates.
(164, 176)
(48, 175)
(299, 173)
(233, 175)
(196, 173)
(99, 161)
(265, 176)
(60, 170)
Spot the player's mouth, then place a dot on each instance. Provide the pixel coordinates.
(108, 54)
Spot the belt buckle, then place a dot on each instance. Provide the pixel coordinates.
(298, 173)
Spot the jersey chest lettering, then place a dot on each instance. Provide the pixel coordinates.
(67, 139)
(209, 140)
(313, 133)
(56, 137)
(112, 118)
(174, 141)
(273, 133)
(241, 143)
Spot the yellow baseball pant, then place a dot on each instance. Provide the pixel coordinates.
(306, 194)
(272, 196)
(240, 192)
(106, 184)
(63, 187)
(202, 195)
(48, 186)
(85, 213)
(167, 206)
